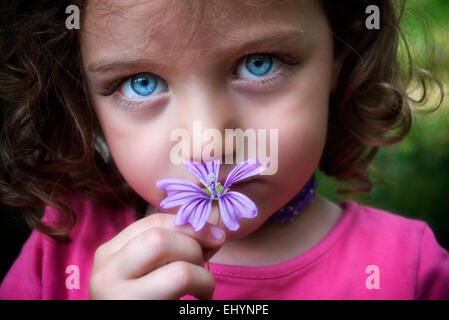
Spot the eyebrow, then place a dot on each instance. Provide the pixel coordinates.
(289, 37)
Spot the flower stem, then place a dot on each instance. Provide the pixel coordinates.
(207, 250)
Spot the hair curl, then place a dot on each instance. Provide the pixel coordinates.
(371, 98)
(51, 139)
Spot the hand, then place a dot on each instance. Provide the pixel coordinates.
(154, 259)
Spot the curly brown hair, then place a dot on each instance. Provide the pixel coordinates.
(51, 142)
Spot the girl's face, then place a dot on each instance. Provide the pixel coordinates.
(194, 69)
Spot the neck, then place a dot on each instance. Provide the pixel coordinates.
(276, 243)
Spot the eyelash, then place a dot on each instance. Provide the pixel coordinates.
(111, 87)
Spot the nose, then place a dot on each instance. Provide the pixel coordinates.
(207, 111)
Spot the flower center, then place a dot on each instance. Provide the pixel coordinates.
(214, 188)
(211, 178)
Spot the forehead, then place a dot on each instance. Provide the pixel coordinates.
(169, 27)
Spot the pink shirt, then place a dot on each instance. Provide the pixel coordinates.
(369, 254)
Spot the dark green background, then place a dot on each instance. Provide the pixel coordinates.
(416, 170)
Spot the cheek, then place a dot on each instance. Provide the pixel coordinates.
(140, 151)
(302, 124)
(138, 160)
(300, 148)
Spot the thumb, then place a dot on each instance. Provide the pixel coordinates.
(210, 252)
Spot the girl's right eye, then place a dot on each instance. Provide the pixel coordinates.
(141, 86)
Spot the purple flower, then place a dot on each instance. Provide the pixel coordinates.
(196, 203)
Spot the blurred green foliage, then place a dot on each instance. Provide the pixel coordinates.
(416, 170)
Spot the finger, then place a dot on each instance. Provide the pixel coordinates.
(174, 281)
(208, 236)
(152, 249)
(208, 253)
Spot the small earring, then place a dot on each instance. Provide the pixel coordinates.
(102, 148)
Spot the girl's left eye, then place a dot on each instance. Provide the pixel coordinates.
(142, 85)
(255, 66)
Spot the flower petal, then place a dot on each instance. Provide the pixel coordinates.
(233, 206)
(203, 169)
(179, 192)
(169, 185)
(244, 170)
(179, 199)
(227, 214)
(196, 212)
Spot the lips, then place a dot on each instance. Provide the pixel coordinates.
(223, 173)
(244, 181)
(241, 185)
(238, 183)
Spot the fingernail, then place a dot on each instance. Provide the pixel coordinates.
(218, 233)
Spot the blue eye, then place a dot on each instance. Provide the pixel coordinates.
(142, 85)
(258, 65)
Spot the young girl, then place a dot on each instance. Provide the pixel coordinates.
(90, 115)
